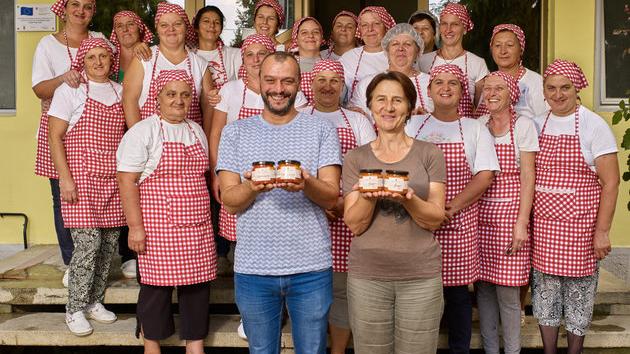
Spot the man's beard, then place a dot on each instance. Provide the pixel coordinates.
(282, 110)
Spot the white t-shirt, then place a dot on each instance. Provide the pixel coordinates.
(232, 99)
(472, 65)
(596, 137)
(141, 147)
(525, 135)
(68, 103)
(361, 126)
(478, 142)
(329, 54)
(359, 98)
(371, 63)
(532, 102)
(51, 58)
(231, 59)
(197, 64)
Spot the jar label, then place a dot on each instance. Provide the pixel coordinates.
(370, 182)
(288, 172)
(394, 184)
(263, 174)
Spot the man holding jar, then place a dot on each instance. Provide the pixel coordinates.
(283, 250)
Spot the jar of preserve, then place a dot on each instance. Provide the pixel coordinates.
(396, 181)
(289, 171)
(263, 172)
(370, 180)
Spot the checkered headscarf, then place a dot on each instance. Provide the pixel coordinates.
(78, 63)
(382, 13)
(145, 33)
(461, 12)
(296, 29)
(328, 65)
(260, 39)
(465, 108)
(59, 7)
(274, 5)
(518, 32)
(166, 8)
(568, 69)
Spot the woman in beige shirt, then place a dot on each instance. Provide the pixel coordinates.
(394, 284)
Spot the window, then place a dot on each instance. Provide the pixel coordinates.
(7, 58)
(612, 57)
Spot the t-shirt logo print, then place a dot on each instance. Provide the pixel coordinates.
(389, 207)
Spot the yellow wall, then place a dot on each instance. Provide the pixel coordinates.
(571, 36)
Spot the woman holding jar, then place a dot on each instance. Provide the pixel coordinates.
(223, 61)
(577, 182)
(504, 215)
(507, 46)
(471, 162)
(394, 285)
(374, 22)
(342, 35)
(162, 162)
(402, 45)
(127, 31)
(51, 68)
(85, 126)
(455, 22)
(174, 33)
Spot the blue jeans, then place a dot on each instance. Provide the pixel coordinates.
(261, 299)
(63, 235)
(458, 312)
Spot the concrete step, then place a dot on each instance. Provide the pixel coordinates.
(48, 329)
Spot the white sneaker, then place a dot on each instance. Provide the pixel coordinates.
(66, 275)
(77, 324)
(128, 268)
(241, 331)
(99, 313)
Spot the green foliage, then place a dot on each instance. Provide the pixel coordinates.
(488, 13)
(623, 113)
(102, 20)
(245, 19)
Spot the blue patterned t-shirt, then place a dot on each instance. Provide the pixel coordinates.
(281, 232)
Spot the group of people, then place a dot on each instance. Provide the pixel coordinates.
(507, 178)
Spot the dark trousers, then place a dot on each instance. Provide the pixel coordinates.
(63, 235)
(123, 245)
(222, 245)
(458, 313)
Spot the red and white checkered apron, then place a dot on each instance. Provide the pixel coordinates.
(306, 86)
(217, 69)
(566, 202)
(355, 81)
(458, 239)
(175, 205)
(91, 153)
(43, 161)
(227, 221)
(340, 234)
(498, 211)
(149, 106)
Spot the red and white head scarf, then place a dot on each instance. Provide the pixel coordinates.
(465, 108)
(382, 13)
(296, 30)
(166, 76)
(59, 7)
(512, 84)
(568, 69)
(461, 12)
(331, 42)
(166, 8)
(276, 6)
(259, 39)
(328, 65)
(518, 32)
(78, 63)
(145, 33)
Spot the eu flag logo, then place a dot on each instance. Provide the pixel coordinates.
(26, 11)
